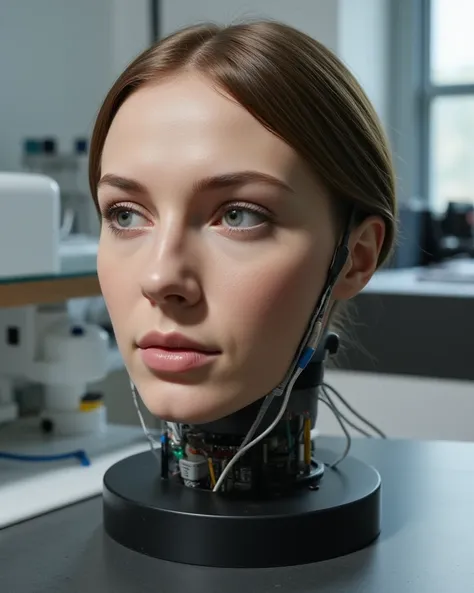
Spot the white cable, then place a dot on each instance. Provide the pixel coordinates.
(261, 436)
(304, 357)
(263, 410)
(150, 438)
(311, 340)
(175, 429)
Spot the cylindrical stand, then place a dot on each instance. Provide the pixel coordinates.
(164, 519)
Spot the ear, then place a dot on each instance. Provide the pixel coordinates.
(365, 243)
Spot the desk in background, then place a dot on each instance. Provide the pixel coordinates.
(401, 325)
(36, 290)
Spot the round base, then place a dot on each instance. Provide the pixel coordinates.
(166, 520)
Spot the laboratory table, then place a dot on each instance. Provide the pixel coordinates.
(426, 544)
(21, 291)
(400, 325)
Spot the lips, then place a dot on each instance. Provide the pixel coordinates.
(174, 353)
(173, 341)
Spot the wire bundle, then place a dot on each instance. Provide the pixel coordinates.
(326, 396)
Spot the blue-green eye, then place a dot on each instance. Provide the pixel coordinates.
(124, 218)
(243, 218)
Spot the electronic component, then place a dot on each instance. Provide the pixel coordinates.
(281, 460)
(193, 470)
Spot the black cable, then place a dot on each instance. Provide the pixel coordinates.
(351, 409)
(335, 411)
(345, 418)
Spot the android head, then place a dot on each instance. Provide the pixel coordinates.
(224, 164)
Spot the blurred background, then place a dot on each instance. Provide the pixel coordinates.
(407, 350)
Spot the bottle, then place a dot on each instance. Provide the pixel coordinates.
(88, 219)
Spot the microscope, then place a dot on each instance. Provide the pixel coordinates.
(205, 498)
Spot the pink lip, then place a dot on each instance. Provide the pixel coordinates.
(174, 353)
(174, 361)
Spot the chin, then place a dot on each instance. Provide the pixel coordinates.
(190, 406)
(187, 415)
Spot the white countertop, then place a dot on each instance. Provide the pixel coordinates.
(441, 282)
(28, 489)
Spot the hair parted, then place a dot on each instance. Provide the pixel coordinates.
(295, 87)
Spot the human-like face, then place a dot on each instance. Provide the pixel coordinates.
(213, 229)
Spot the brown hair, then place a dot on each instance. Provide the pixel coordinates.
(296, 88)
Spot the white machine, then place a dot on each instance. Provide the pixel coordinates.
(29, 225)
(44, 346)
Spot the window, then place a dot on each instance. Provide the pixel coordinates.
(446, 119)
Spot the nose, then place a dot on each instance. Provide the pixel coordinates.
(170, 277)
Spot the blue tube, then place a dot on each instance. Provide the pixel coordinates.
(306, 357)
(79, 454)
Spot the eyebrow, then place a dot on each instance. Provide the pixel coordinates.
(216, 182)
(123, 183)
(238, 179)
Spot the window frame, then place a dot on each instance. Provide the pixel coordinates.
(413, 94)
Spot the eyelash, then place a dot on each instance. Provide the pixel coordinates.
(246, 207)
(113, 210)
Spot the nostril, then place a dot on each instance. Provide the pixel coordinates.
(172, 296)
(179, 298)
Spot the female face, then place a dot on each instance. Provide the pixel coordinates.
(215, 245)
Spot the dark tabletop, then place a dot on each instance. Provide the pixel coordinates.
(426, 545)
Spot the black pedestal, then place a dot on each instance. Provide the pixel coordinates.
(165, 520)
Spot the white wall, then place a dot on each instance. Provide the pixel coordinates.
(131, 31)
(54, 69)
(59, 57)
(357, 30)
(364, 44)
(57, 60)
(318, 18)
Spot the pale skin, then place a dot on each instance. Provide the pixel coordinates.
(224, 236)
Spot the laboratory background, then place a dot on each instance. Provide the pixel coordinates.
(406, 361)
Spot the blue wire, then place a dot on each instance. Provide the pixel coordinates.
(79, 454)
(305, 357)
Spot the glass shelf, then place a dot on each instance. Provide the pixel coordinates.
(73, 281)
(78, 259)
(77, 272)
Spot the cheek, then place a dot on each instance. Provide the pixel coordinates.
(272, 308)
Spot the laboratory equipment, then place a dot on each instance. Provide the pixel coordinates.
(43, 345)
(8, 405)
(29, 226)
(79, 224)
(282, 504)
(69, 168)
